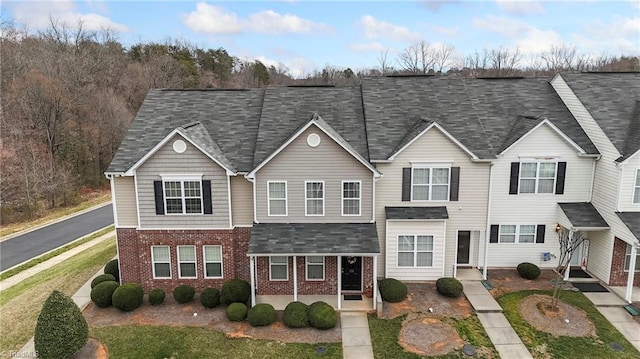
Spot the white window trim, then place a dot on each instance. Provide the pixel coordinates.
(359, 198)
(324, 191)
(205, 261)
(628, 254)
(286, 200)
(195, 262)
(415, 250)
(182, 179)
(154, 261)
(286, 264)
(431, 167)
(636, 187)
(537, 178)
(517, 233)
(306, 269)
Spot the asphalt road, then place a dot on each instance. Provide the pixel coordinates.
(21, 248)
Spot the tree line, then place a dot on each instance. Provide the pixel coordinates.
(70, 93)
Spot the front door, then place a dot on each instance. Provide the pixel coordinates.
(352, 273)
(464, 245)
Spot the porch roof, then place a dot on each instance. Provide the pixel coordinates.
(268, 239)
(416, 212)
(632, 221)
(583, 216)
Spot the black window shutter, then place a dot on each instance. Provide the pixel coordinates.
(406, 184)
(159, 196)
(562, 170)
(206, 196)
(513, 182)
(540, 233)
(494, 233)
(455, 184)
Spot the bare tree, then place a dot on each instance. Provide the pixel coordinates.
(569, 241)
(383, 63)
(422, 57)
(504, 60)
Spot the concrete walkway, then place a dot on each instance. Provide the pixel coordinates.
(356, 340)
(502, 335)
(611, 307)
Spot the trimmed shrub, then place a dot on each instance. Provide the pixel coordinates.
(156, 296)
(112, 268)
(101, 294)
(184, 293)
(295, 315)
(210, 297)
(261, 315)
(449, 287)
(236, 312)
(128, 297)
(528, 270)
(235, 291)
(392, 290)
(61, 330)
(322, 315)
(102, 278)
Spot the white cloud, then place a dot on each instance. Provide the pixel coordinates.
(297, 66)
(442, 30)
(520, 7)
(501, 25)
(367, 47)
(528, 38)
(270, 22)
(620, 35)
(212, 19)
(376, 29)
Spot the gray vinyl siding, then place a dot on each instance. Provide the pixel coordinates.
(241, 201)
(328, 162)
(627, 185)
(192, 161)
(124, 198)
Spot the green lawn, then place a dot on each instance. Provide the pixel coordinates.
(567, 347)
(195, 342)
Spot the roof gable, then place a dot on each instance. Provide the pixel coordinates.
(525, 126)
(418, 130)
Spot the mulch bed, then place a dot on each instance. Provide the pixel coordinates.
(425, 335)
(421, 297)
(567, 321)
(508, 280)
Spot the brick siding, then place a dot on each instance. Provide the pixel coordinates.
(618, 275)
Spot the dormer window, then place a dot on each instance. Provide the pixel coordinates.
(182, 194)
(537, 177)
(430, 184)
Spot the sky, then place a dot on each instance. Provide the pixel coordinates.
(308, 35)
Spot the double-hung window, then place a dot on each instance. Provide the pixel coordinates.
(161, 261)
(314, 198)
(430, 183)
(212, 261)
(351, 198)
(183, 196)
(627, 259)
(415, 251)
(636, 188)
(537, 177)
(278, 268)
(511, 233)
(187, 262)
(277, 198)
(315, 267)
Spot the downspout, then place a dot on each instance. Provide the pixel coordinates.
(593, 179)
(115, 219)
(620, 170)
(255, 206)
(630, 276)
(488, 229)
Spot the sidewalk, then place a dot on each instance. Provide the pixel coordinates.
(611, 307)
(356, 340)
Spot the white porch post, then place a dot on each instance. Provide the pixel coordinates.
(339, 282)
(566, 271)
(295, 278)
(375, 281)
(632, 267)
(252, 273)
(486, 255)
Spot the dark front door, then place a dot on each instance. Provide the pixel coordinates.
(352, 273)
(464, 244)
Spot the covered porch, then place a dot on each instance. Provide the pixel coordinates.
(279, 302)
(632, 221)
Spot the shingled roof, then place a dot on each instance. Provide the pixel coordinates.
(612, 99)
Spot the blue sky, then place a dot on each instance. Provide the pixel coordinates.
(308, 35)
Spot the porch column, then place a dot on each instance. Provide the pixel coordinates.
(295, 278)
(252, 274)
(566, 271)
(339, 282)
(632, 267)
(375, 282)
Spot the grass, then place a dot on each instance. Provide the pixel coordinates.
(13, 271)
(20, 305)
(384, 337)
(566, 347)
(196, 342)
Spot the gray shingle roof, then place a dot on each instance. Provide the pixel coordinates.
(521, 126)
(313, 238)
(480, 113)
(416, 212)
(632, 221)
(612, 100)
(583, 215)
(201, 137)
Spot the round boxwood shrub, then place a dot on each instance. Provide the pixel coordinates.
(528, 270)
(101, 294)
(184, 293)
(449, 287)
(102, 278)
(261, 315)
(392, 290)
(61, 330)
(210, 297)
(128, 297)
(156, 296)
(235, 291)
(112, 268)
(236, 312)
(322, 315)
(295, 315)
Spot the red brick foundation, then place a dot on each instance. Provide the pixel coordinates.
(618, 275)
